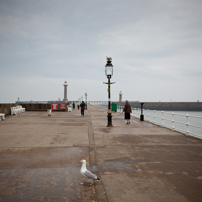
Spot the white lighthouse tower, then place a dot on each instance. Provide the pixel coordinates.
(120, 96)
(65, 91)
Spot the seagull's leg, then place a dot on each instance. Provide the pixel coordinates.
(91, 184)
(83, 181)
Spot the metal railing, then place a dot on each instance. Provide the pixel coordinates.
(185, 123)
(188, 124)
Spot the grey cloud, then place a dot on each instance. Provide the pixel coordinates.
(153, 41)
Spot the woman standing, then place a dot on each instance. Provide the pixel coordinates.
(127, 110)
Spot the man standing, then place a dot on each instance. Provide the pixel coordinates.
(82, 105)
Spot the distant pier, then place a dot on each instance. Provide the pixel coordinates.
(167, 106)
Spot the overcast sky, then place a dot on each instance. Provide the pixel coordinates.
(155, 45)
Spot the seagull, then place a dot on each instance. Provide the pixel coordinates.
(86, 173)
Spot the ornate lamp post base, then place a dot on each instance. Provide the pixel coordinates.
(109, 119)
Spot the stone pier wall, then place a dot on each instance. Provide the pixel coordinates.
(6, 108)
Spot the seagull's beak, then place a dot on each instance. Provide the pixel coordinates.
(79, 161)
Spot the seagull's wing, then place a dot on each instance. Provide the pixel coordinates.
(90, 175)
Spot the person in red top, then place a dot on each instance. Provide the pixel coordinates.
(127, 110)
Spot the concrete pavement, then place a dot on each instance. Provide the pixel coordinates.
(137, 162)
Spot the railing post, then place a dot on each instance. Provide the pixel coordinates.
(148, 115)
(138, 112)
(142, 113)
(162, 120)
(154, 118)
(187, 124)
(173, 121)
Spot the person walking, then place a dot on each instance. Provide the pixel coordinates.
(127, 110)
(82, 105)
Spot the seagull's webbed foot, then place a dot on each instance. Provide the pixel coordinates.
(83, 181)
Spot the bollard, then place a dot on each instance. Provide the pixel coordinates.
(142, 116)
(49, 112)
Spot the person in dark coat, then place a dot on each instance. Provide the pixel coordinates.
(73, 105)
(127, 110)
(82, 105)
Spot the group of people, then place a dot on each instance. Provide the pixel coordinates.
(82, 105)
(127, 110)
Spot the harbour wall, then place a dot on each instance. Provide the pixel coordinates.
(6, 108)
(163, 106)
(166, 106)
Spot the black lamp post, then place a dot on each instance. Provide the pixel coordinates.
(109, 73)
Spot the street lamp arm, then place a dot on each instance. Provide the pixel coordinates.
(108, 82)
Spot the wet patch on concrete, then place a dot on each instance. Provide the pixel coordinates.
(140, 188)
(129, 139)
(43, 174)
(42, 157)
(133, 130)
(64, 124)
(117, 166)
(58, 139)
(44, 184)
(174, 168)
(105, 130)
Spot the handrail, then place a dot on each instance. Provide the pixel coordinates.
(161, 118)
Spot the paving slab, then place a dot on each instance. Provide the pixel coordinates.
(139, 162)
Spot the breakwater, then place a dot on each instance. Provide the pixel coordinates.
(166, 106)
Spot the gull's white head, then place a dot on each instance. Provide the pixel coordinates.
(82, 161)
